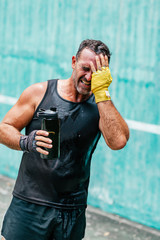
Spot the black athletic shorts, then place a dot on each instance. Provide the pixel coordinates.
(29, 221)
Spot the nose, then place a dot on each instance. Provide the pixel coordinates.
(88, 76)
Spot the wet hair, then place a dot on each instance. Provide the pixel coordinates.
(96, 46)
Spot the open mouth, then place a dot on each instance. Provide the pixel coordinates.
(86, 82)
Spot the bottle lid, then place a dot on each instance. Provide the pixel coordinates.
(48, 114)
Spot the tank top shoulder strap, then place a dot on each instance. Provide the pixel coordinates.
(48, 96)
(52, 86)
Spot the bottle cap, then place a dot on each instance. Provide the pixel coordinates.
(48, 114)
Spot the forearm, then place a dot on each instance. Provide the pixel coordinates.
(112, 125)
(9, 136)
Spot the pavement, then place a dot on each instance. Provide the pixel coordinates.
(100, 225)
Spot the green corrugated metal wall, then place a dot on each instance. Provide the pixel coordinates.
(37, 41)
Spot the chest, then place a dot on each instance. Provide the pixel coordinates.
(79, 123)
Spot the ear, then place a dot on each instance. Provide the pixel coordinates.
(73, 62)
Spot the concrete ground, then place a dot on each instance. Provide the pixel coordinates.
(100, 225)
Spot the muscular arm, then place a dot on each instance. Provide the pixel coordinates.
(16, 119)
(20, 115)
(113, 127)
(6, 131)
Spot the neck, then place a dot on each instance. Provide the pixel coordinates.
(67, 91)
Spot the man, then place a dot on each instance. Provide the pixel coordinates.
(50, 196)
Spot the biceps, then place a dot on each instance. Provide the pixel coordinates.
(19, 116)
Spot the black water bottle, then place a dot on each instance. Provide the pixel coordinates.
(50, 123)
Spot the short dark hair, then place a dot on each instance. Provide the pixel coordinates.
(96, 46)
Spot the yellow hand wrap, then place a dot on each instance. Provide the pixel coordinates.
(100, 82)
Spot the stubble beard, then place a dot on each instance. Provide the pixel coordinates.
(81, 90)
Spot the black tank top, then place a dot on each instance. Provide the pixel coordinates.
(62, 182)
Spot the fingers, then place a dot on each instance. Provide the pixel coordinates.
(92, 67)
(40, 150)
(42, 141)
(104, 60)
(98, 63)
(43, 144)
(101, 61)
(42, 132)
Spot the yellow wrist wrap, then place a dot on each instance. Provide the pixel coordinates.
(100, 82)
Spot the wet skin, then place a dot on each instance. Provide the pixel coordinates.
(87, 63)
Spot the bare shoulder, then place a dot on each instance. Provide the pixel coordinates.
(33, 94)
(22, 112)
